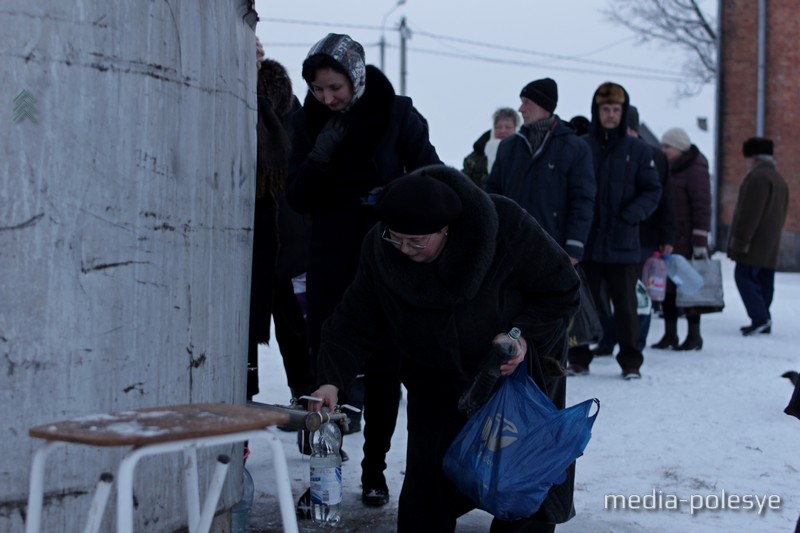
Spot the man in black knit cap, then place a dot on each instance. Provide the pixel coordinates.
(547, 169)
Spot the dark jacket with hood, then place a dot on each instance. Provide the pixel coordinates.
(628, 189)
(555, 184)
(691, 185)
(385, 138)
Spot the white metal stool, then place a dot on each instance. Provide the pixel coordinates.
(154, 431)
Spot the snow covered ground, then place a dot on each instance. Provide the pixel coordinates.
(700, 431)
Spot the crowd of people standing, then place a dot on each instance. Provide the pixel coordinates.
(413, 269)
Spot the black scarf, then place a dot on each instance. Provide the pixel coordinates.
(537, 131)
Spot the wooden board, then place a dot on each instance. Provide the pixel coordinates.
(158, 424)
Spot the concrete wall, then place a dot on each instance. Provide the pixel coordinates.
(737, 112)
(126, 205)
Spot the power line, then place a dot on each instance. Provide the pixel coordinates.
(646, 72)
(544, 54)
(643, 76)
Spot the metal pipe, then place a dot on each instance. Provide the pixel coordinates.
(297, 418)
(99, 502)
(762, 66)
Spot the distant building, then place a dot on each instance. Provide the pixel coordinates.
(737, 111)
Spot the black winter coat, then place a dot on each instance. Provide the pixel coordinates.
(498, 269)
(659, 228)
(556, 184)
(628, 190)
(385, 139)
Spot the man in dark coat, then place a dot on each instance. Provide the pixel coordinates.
(656, 233)
(352, 135)
(755, 233)
(628, 191)
(448, 270)
(547, 169)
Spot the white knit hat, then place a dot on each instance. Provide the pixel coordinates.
(677, 138)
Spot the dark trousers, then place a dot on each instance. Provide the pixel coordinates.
(290, 332)
(670, 306)
(609, 339)
(429, 501)
(620, 283)
(382, 401)
(756, 287)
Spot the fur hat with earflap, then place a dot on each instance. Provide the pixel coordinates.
(610, 93)
(755, 146)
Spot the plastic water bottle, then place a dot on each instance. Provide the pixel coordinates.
(682, 274)
(240, 513)
(326, 475)
(644, 304)
(654, 277)
(482, 386)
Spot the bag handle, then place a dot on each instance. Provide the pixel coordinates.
(596, 403)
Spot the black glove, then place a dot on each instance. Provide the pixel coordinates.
(328, 139)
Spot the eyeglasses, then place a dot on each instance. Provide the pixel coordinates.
(415, 242)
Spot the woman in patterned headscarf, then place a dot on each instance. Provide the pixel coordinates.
(352, 136)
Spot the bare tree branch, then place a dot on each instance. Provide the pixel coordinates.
(680, 23)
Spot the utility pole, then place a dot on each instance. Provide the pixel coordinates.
(382, 45)
(404, 35)
(382, 42)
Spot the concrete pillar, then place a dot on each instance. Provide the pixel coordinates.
(126, 205)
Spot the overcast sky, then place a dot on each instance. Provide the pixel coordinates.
(467, 58)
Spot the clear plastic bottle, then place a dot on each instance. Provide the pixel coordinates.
(683, 274)
(240, 513)
(326, 475)
(482, 386)
(654, 277)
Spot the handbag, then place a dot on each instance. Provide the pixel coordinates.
(585, 327)
(516, 447)
(710, 297)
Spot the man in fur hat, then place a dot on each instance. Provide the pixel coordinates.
(628, 191)
(755, 233)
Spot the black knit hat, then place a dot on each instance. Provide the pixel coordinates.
(418, 204)
(757, 146)
(580, 124)
(543, 93)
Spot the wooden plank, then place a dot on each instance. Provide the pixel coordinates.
(158, 424)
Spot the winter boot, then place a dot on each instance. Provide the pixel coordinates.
(670, 339)
(693, 340)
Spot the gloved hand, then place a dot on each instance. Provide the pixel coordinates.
(699, 251)
(328, 140)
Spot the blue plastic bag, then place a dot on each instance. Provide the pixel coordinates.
(517, 446)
